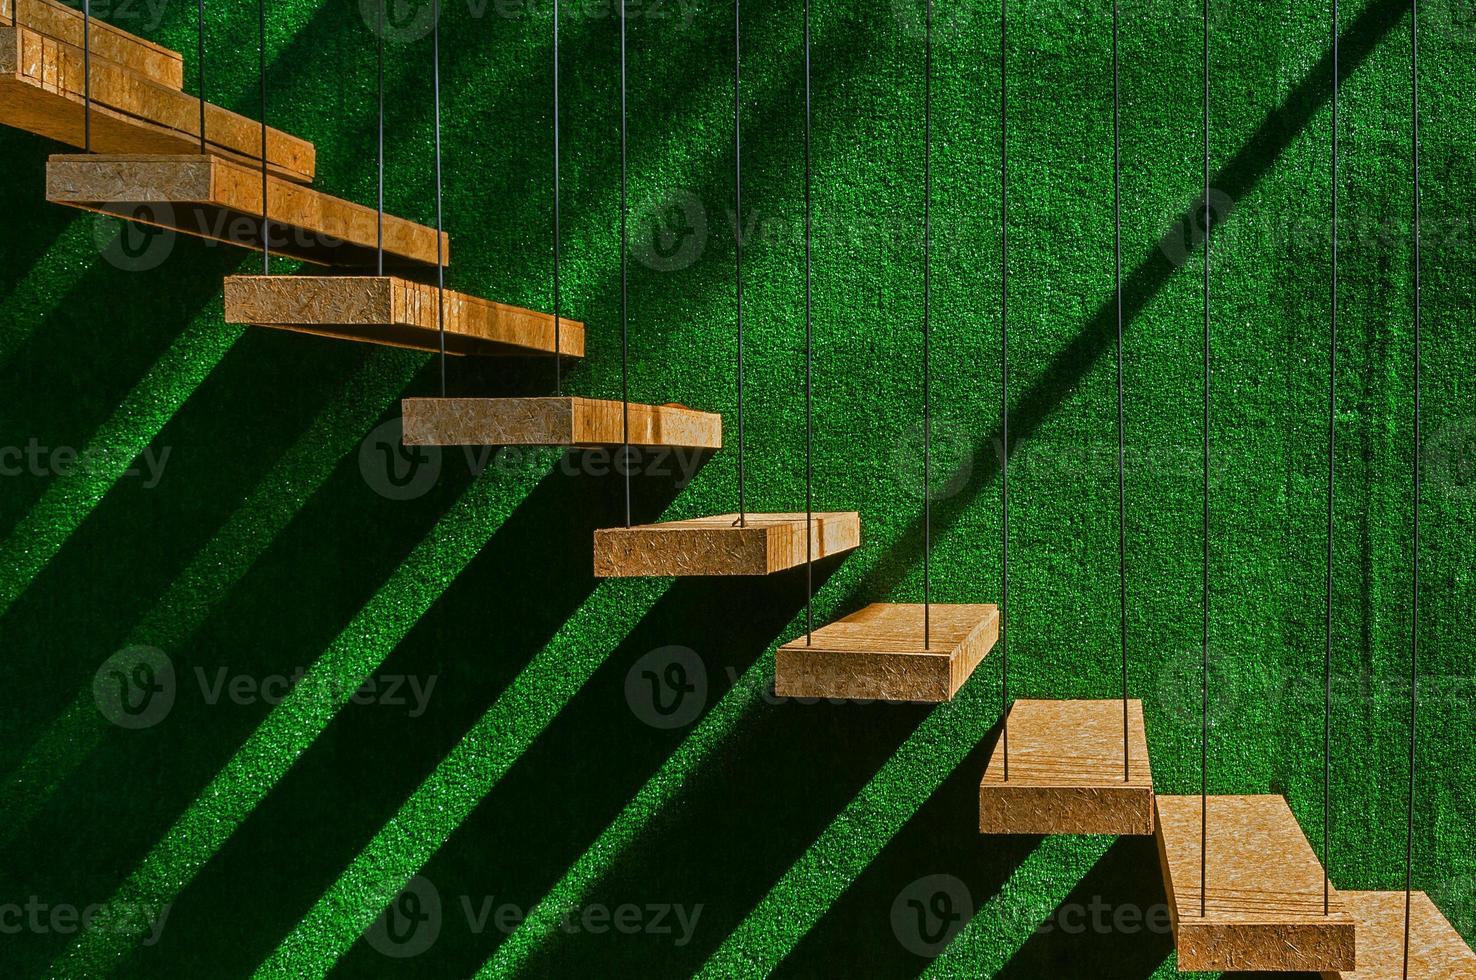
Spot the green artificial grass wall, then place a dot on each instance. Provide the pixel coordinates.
(233, 511)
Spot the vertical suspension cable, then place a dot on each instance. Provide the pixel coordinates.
(200, 64)
(1205, 529)
(261, 63)
(809, 366)
(624, 279)
(738, 236)
(87, 76)
(1004, 393)
(1414, 635)
(1121, 415)
(558, 299)
(379, 167)
(927, 380)
(440, 216)
(1332, 437)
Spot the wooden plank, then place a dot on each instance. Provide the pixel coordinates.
(566, 421)
(42, 82)
(396, 312)
(767, 543)
(1264, 902)
(213, 198)
(877, 653)
(1066, 772)
(64, 23)
(1436, 950)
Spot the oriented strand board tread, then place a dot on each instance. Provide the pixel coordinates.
(64, 23)
(767, 543)
(563, 421)
(395, 312)
(212, 198)
(1066, 771)
(877, 653)
(1264, 902)
(42, 81)
(1436, 950)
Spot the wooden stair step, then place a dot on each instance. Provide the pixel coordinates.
(209, 197)
(767, 543)
(64, 23)
(561, 421)
(395, 312)
(1264, 902)
(1436, 950)
(877, 654)
(42, 81)
(1066, 772)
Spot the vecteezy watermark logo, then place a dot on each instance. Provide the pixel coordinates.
(1450, 458)
(134, 688)
(667, 688)
(399, 21)
(35, 459)
(1181, 687)
(121, 918)
(396, 471)
(670, 233)
(139, 244)
(950, 20)
(410, 924)
(1186, 233)
(952, 461)
(928, 913)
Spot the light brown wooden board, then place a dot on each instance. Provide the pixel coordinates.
(566, 421)
(209, 197)
(42, 82)
(64, 23)
(1264, 902)
(1066, 772)
(395, 312)
(1436, 950)
(877, 653)
(767, 543)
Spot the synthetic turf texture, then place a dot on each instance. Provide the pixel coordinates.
(796, 828)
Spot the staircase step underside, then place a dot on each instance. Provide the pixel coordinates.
(208, 197)
(65, 24)
(767, 543)
(560, 421)
(42, 82)
(1066, 773)
(395, 312)
(877, 654)
(1264, 908)
(1436, 950)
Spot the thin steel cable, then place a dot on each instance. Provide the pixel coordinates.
(1332, 442)
(927, 325)
(1414, 634)
(738, 237)
(379, 199)
(1121, 415)
(1004, 393)
(261, 69)
(809, 365)
(440, 217)
(1205, 528)
(87, 76)
(558, 299)
(200, 64)
(624, 278)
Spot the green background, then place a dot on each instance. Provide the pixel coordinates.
(276, 833)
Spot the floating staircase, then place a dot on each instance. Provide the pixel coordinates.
(396, 312)
(761, 545)
(1436, 951)
(877, 654)
(558, 421)
(1066, 771)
